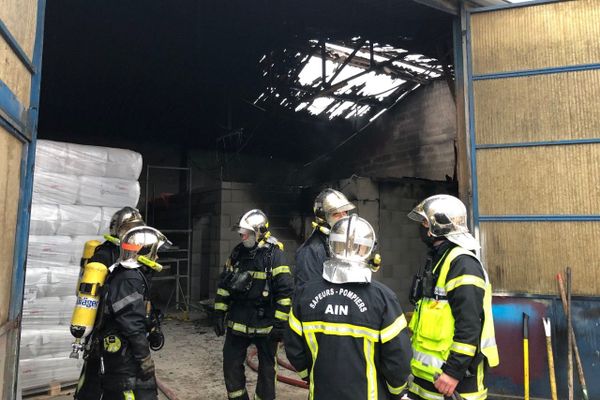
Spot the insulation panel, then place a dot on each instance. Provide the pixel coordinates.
(563, 180)
(538, 108)
(524, 257)
(539, 36)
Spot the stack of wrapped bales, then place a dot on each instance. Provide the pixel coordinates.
(76, 190)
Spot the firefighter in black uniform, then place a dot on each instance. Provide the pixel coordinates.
(453, 330)
(252, 305)
(107, 253)
(126, 366)
(330, 205)
(348, 336)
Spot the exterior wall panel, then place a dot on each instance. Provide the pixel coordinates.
(524, 257)
(537, 108)
(540, 36)
(563, 180)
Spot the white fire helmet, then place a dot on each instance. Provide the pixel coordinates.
(329, 202)
(140, 241)
(255, 223)
(446, 216)
(351, 242)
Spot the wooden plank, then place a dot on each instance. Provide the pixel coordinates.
(539, 180)
(14, 74)
(20, 17)
(538, 108)
(524, 257)
(539, 36)
(3, 352)
(10, 172)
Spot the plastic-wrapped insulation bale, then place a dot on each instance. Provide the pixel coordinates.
(53, 188)
(78, 159)
(44, 219)
(61, 282)
(86, 160)
(35, 280)
(57, 249)
(79, 220)
(125, 164)
(113, 192)
(48, 311)
(50, 156)
(38, 372)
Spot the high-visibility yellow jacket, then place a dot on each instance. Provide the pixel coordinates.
(436, 345)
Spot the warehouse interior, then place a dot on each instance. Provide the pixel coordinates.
(237, 105)
(236, 92)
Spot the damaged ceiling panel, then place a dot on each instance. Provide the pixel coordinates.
(344, 80)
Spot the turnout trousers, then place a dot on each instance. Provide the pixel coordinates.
(234, 355)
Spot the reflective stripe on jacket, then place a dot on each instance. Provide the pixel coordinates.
(433, 322)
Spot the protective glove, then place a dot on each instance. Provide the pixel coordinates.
(219, 323)
(278, 330)
(146, 368)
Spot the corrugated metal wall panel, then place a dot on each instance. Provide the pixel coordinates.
(541, 36)
(524, 257)
(538, 108)
(20, 19)
(539, 180)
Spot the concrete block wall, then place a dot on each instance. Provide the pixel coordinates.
(414, 139)
(218, 209)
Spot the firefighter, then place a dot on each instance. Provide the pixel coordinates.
(330, 205)
(125, 319)
(252, 305)
(453, 330)
(348, 336)
(107, 254)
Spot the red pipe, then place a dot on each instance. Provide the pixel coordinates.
(167, 391)
(281, 378)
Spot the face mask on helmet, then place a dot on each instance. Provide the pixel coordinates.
(248, 238)
(253, 221)
(351, 243)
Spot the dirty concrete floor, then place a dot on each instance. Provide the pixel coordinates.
(191, 364)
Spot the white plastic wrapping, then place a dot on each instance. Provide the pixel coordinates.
(86, 160)
(51, 219)
(77, 189)
(38, 372)
(77, 159)
(53, 188)
(79, 220)
(44, 219)
(125, 164)
(112, 192)
(50, 248)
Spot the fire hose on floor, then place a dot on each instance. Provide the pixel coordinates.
(281, 378)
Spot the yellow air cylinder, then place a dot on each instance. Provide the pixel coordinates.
(88, 299)
(89, 248)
